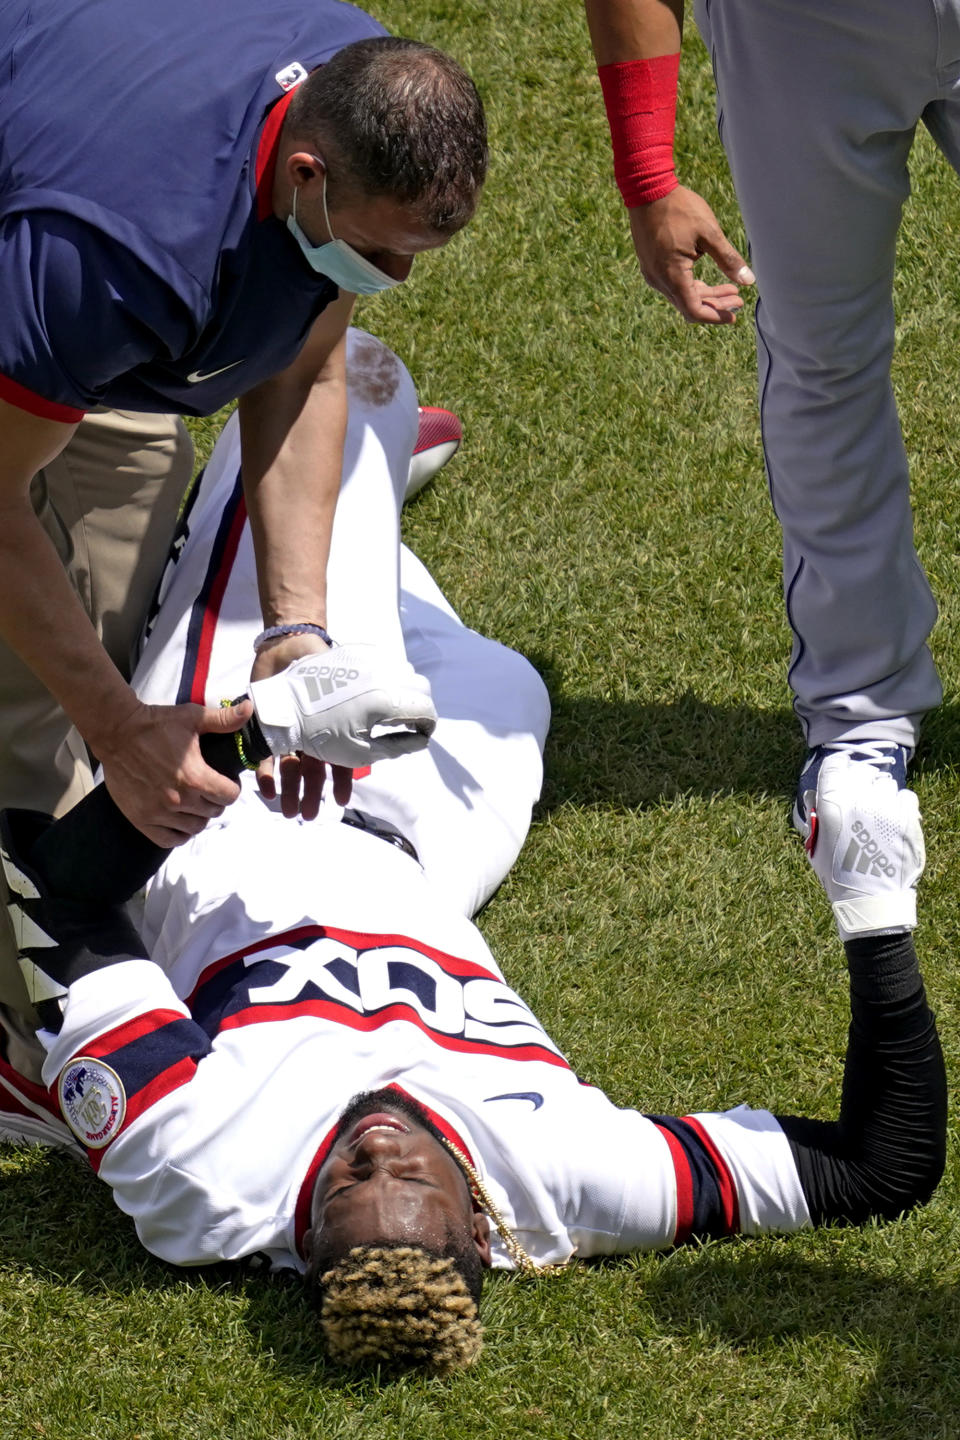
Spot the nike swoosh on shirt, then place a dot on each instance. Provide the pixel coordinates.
(534, 1096)
(196, 376)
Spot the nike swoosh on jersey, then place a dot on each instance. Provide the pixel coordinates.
(534, 1096)
(196, 376)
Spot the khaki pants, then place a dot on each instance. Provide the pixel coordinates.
(109, 503)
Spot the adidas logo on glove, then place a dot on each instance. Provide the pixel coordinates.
(864, 856)
(357, 705)
(320, 681)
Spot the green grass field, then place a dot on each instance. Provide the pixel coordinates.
(608, 516)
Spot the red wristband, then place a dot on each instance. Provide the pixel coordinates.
(641, 101)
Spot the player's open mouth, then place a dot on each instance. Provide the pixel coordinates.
(379, 1121)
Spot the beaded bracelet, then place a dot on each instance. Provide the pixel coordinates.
(276, 632)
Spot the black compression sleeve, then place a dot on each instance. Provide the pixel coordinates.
(886, 1151)
(95, 854)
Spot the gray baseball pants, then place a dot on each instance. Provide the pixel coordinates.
(818, 102)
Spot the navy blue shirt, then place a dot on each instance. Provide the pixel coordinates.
(139, 265)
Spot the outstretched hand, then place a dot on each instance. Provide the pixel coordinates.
(670, 235)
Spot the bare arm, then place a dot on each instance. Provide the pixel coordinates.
(150, 755)
(292, 430)
(672, 232)
(634, 29)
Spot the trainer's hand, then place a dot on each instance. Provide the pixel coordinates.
(669, 236)
(155, 772)
(302, 777)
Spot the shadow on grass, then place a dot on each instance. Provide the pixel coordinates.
(59, 1222)
(631, 754)
(761, 1301)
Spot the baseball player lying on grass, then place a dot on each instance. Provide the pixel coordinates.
(313, 1056)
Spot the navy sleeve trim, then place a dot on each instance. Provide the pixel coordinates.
(707, 1205)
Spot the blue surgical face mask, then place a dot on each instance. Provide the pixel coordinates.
(345, 266)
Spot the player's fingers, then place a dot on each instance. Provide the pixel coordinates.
(289, 786)
(687, 295)
(265, 781)
(312, 776)
(706, 304)
(342, 783)
(730, 261)
(716, 293)
(195, 805)
(723, 300)
(177, 831)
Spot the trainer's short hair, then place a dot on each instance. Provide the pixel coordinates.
(403, 1307)
(405, 120)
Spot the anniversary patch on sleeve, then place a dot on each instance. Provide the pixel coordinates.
(93, 1101)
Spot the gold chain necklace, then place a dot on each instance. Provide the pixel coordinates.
(524, 1263)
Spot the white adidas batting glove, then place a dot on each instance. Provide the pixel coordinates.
(866, 845)
(349, 706)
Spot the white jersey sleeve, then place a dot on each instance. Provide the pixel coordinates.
(176, 1122)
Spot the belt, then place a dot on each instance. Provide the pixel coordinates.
(383, 830)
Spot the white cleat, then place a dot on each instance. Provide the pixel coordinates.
(866, 846)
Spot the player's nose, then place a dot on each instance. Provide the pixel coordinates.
(379, 1145)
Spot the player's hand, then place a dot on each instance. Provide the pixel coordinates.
(302, 778)
(669, 236)
(349, 706)
(155, 772)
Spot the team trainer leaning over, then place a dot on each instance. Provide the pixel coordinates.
(190, 197)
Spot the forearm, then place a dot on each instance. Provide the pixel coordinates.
(885, 1152)
(637, 45)
(623, 30)
(42, 619)
(292, 434)
(40, 616)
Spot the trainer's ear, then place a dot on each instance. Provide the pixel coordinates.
(481, 1236)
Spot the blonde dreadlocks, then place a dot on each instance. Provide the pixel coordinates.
(400, 1306)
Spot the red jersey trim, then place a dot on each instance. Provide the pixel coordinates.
(211, 614)
(343, 1015)
(266, 167)
(180, 1073)
(681, 1168)
(24, 399)
(21, 1096)
(725, 1181)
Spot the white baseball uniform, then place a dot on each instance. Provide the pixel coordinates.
(296, 964)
